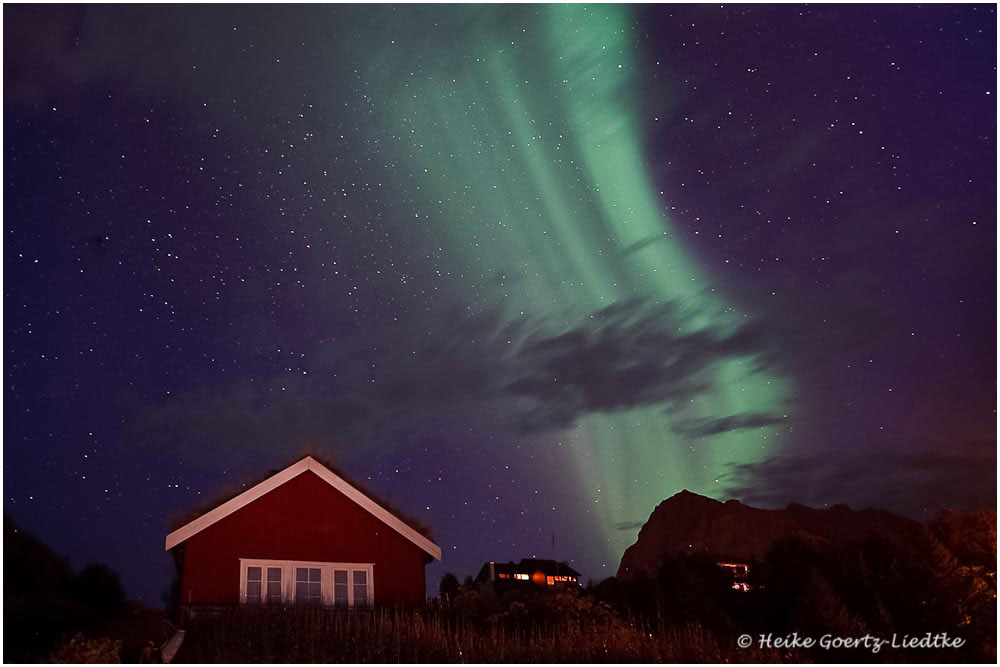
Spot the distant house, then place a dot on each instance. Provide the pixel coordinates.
(529, 571)
(740, 573)
(302, 536)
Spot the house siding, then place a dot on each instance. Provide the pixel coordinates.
(304, 519)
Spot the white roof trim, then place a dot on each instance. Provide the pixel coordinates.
(291, 472)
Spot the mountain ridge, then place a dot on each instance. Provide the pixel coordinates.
(688, 523)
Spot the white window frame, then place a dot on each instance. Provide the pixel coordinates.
(326, 579)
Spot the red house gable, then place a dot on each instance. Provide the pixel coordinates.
(302, 535)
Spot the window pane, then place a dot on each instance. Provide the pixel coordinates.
(274, 584)
(301, 574)
(314, 574)
(301, 591)
(253, 591)
(253, 584)
(360, 578)
(340, 587)
(274, 591)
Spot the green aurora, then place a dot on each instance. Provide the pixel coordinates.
(519, 136)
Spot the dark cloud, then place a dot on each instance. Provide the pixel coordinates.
(643, 243)
(629, 525)
(627, 355)
(700, 428)
(284, 414)
(921, 479)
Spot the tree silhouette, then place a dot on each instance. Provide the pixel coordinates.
(448, 588)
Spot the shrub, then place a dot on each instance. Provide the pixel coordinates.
(79, 649)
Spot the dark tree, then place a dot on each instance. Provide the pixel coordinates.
(448, 588)
(99, 588)
(44, 601)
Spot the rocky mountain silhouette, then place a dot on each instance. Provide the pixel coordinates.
(687, 523)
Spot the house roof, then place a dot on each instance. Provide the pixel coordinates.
(547, 567)
(291, 472)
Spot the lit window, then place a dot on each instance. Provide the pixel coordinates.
(503, 575)
(550, 580)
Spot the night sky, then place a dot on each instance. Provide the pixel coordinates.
(524, 271)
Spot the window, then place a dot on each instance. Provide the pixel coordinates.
(341, 594)
(308, 585)
(273, 584)
(303, 582)
(257, 589)
(253, 585)
(360, 588)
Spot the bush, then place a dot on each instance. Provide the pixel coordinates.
(79, 649)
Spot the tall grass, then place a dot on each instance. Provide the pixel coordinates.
(418, 636)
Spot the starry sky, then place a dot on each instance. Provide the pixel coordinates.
(523, 271)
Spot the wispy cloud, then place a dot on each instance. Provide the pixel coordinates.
(923, 477)
(520, 375)
(700, 428)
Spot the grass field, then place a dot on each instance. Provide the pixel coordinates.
(384, 636)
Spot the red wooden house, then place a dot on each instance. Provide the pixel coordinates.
(303, 535)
